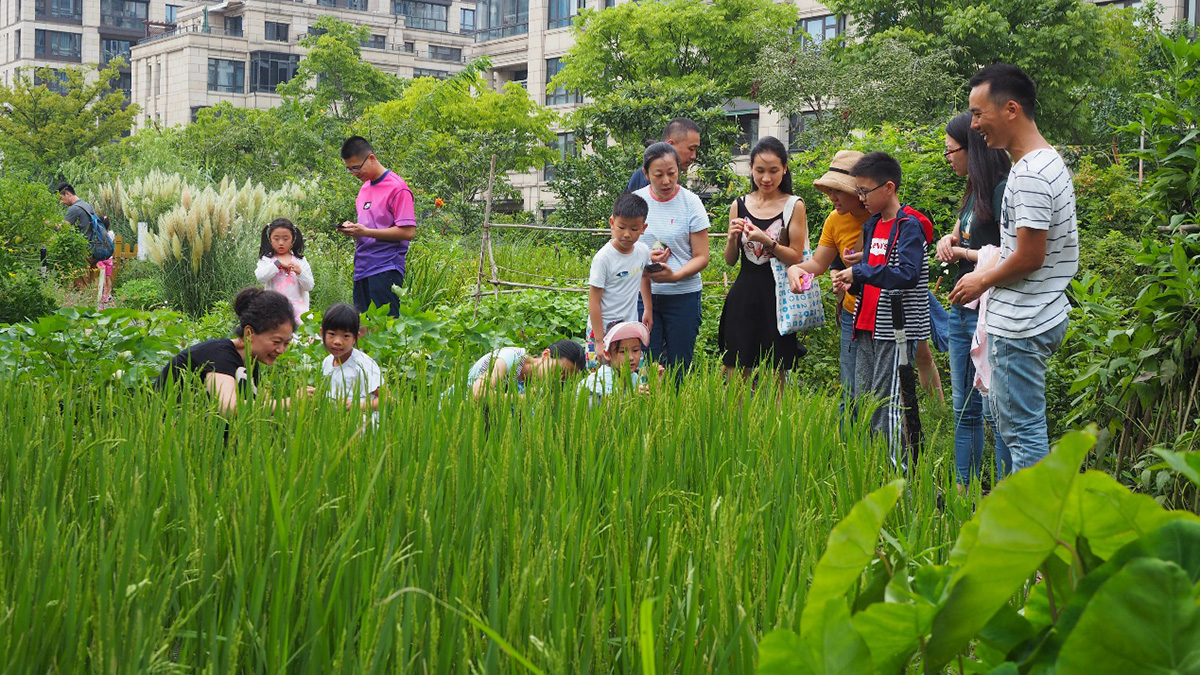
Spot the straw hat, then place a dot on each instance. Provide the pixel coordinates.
(838, 176)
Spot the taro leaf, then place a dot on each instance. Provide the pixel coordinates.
(1006, 630)
(1186, 464)
(1109, 516)
(782, 652)
(892, 632)
(831, 647)
(1144, 619)
(1019, 524)
(851, 546)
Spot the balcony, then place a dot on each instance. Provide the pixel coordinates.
(184, 30)
(499, 32)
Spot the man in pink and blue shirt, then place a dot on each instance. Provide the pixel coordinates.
(386, 224)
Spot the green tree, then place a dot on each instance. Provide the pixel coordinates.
(41, 129)
(333, 78)
(710, 43)
(1065, 45)
(440, 135)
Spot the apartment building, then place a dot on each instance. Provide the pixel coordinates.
(241, 50)
(36, 33)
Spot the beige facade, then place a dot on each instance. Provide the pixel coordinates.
(239, 50)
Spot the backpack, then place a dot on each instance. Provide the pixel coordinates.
(98, 239)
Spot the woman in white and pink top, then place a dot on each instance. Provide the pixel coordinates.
(282, 267)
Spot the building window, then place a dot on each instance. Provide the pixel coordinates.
(441, 53)
(271, 69)
(58, 10)
(747, 132)
(426, 72)
(559, 96)
(466, 22)
(112, 48)
(497, 19)
(275, 32)
(327, 3)
(17, 37)
(172, 13)
(124, 84)
(57, 82)
(562, 12)
(521, 77)
(360, 5)
(233, 26)
(797, 124)
(821, 28)
(564, 144)
(124, 14)
(422, 15)
(1120, 4)
(226, 76)
(196, 111)
(52, 44)
(376, 42)
(609, 3)
(410, 47)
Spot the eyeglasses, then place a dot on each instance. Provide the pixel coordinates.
(863, 193)
(356, 169)
(947, 153)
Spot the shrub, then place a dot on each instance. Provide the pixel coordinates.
(67, 254)
(25, 210)
(1108, 200)
(332, 264)
(23, 296)
(132, 270)
(142, 294)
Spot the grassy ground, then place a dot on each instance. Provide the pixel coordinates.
(132, 538)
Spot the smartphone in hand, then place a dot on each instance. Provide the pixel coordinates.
(653, 267)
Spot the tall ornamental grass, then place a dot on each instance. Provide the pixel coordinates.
(506, 536)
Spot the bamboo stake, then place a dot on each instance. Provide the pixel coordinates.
(483, 238)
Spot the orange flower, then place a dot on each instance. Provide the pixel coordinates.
(439, 203)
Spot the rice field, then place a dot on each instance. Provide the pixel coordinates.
(662, 534)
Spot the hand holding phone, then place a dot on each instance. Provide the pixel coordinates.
(653, 267)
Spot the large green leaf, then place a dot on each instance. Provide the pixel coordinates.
(851, 546)
(1019, 524)
(892, 632)
(782, 652)
(832, 646)
(1144, 619)
(1109, 516)
(1186, 464)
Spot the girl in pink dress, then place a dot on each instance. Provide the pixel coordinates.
(282, 267)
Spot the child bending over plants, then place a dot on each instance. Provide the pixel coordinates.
(623, 344)
(514, 367)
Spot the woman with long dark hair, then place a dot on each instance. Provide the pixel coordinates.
(767, 223)
(978, 225)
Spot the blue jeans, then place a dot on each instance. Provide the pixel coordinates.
(676, 325)
(377, 289)
(969, 408)
(847, 350)
(1019, 392)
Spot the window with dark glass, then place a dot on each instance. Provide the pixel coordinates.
(495, 19)
(609, 3)
(410, 47)
(124, 84)
(360, 5)
(466, 23)
(562, 12)
(226, 76)
(57, 82)
(172, 13)
(559, 96)
(275, 32)
(271, 69)
(196, 111)
(821, 28)
(376, 42)
(747, 132)
(327, 3)
(124, 14)
(233, 26)
(442, 53)
(52, 44)
(17, 45)
(422, 15)
(564, 144)
(111, 48)
(58, 10)
(797, 124)
(427, 72)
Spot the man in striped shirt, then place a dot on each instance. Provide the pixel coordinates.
(1039, 254)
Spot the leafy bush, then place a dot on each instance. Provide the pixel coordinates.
(23, 296)
(134, 269)
(27, 210)
(67, 254)
(332, 259)
(141, 294)
(1102, 573)
(1108, 199)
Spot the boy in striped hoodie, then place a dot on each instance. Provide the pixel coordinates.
(892, 313)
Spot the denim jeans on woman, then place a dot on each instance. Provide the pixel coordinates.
(1019, 392)
(970, 409)
(676, 326)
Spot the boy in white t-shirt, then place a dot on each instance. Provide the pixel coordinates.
(616, 276)
(353, 376)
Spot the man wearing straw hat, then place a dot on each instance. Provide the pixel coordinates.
(839, 247)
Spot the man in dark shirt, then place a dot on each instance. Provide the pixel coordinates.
(684, 135)
(79, 212)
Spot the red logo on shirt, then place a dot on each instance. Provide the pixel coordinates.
(878, 246)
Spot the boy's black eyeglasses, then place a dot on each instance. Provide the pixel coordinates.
(863, 193)
(356, 169)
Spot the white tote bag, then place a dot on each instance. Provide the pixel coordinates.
(795, 311)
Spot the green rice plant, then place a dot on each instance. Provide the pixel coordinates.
(668, 532)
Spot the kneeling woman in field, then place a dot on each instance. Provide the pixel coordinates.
(514, 367)
(228, 367)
